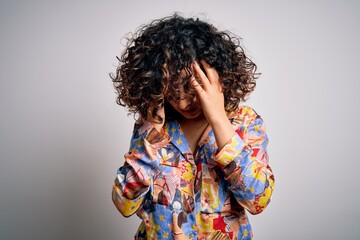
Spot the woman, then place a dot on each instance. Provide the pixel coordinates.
(197, 159)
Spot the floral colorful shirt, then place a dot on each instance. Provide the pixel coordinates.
(205, 195)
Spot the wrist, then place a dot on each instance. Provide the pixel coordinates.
(218, 118)
(223, 130)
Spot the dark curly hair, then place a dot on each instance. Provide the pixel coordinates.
(149, 68)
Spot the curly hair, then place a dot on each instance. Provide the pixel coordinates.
(149, 68)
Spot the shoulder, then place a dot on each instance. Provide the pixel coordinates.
(249, 126)
(244, 115)
(146, 131)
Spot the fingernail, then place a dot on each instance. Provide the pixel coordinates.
(196, 63)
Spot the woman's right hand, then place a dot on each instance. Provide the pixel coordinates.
(154, 121)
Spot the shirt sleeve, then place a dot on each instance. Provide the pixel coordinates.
(244, 160)
(134, 178)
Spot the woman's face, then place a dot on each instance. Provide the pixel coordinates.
(188, 106)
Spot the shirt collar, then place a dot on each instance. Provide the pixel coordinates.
(177, 137)
(179, 140)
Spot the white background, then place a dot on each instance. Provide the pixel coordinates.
(63, 136)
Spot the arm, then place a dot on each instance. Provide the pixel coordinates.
(244, 160)
(241, 151)
(134, 178)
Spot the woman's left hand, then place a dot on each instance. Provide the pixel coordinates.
(211, 97)
(209, 91)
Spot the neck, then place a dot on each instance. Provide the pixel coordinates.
(198, 121)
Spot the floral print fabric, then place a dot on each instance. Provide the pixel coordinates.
(179, 195)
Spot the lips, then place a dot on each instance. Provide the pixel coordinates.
(189, 110)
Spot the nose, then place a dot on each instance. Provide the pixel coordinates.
(186, 104)
(183, 104)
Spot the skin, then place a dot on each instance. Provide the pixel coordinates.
(206, 108)
(212, 102)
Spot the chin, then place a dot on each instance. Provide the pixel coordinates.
(191, 115)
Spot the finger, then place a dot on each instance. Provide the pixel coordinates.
(198, 89)
(211, 72)
(201, 75)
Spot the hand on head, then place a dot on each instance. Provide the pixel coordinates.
(208, 89)
(209, 97)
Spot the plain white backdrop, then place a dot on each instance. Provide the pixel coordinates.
(63, 136)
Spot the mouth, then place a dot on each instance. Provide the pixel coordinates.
(190, 112)
(192, 109)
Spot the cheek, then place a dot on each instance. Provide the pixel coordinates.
(174, 105)
(196, 103)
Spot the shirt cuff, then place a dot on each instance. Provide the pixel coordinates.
(230, 151)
